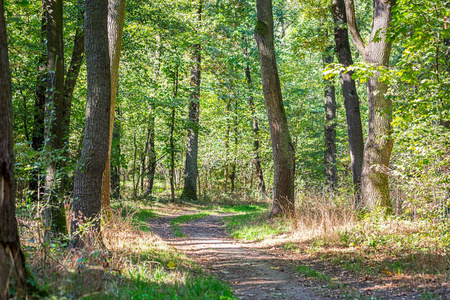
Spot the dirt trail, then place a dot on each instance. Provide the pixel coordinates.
(253, 274)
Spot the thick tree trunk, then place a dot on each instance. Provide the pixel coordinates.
(87, 191)
(191, 169)
(12, 260)
(54, 104)
(116, 18)
(377, 151)
(283, 151)
(256, 159)
(330, 127)
(351, 100)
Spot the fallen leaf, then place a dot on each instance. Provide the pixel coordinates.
(171, 265)
(275, 268)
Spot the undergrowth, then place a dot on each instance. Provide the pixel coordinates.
(132, 264)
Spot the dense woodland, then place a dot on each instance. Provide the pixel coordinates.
(106, 102)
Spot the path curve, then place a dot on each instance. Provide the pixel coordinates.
(252, 274)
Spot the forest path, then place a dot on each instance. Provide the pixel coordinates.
(253, 274)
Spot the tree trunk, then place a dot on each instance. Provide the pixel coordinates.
(76, 62)
(12, 260)
(171, 141)
(377, 151)
(55, 217)
(351, 100)
(87, 191)
(330, 127)
(115, 153)
(283, 151)
(172, 156)
(37, 138)
(191, 170)
(116, 18)
(151, 128)
(151, 153)
(256, 159)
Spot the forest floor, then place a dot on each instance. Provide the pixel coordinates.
(276, 269)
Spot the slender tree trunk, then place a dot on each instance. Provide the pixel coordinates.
(54, 104)
(151, 169)
(134, 166)
(115, 154)
(256, 159)
(37, 138)
(12, 260)
(351, 100)
(377, 151)
(191, 169)
(283, 151)
(116, 18)
(171, 140)
(235, 129)
(172, 156)
(76, 62)
(87, 191)
(151, 153)
(330, 127)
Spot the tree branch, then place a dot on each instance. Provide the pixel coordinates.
(351, 21)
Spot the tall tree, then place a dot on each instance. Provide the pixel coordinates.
(330, 126)
(283, 150)
(191, 170)
(256, 159)
(151, 169)
(116, 18)
(377, 151)
(54, 106)
(87, 190)
(351, 100)
(12, 260)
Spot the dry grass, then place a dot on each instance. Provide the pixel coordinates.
(378, 255)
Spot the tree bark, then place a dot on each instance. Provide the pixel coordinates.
(378, 147)
(351, 100)
(191, 169)
(330, 127)
(54, 104)
(12, 260)
(256, 159)
(87, 191)
(283, 151)
(116, 18)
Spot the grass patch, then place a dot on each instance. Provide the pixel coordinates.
(254, 226)
(242, 208)
(184, 219)
(309, 272)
